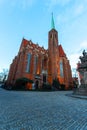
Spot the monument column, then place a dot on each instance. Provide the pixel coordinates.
(82, 69)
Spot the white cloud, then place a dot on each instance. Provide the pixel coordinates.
(59, 2)
(23, 3)
(80, 7)
(26, 3)
(3, 2)
(52, 3)
(74, 57)
(69, 13)
(84, 45)
(20, 3)
(79, 10)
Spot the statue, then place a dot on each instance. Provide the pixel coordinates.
(84, 57)
(84, 53)
(82, 71)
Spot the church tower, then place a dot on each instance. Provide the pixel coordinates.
(53, 52)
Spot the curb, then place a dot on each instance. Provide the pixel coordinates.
(77, 96)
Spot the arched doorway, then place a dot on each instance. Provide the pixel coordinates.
(44, 78)
(36, 84)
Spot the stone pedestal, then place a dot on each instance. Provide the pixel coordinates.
(82, 90)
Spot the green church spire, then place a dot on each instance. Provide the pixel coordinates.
(52, 23)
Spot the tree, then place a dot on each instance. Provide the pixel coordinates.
(3, 75)
(56, 83)
(20, 83)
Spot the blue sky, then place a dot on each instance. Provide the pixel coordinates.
(31, 19)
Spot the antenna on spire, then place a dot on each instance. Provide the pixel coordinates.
(52, 22)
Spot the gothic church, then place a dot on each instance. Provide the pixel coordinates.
(38, 64)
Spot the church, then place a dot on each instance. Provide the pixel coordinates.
(41, 65)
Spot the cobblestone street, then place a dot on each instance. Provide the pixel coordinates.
(25, 110)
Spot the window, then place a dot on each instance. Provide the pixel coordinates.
(61, 69)
(50, 35)
(35, 63)
(28, 63)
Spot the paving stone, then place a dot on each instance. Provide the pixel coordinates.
(20, 110)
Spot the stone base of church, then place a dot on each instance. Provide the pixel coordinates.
(82, 90)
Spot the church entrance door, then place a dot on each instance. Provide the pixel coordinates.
(44, 78)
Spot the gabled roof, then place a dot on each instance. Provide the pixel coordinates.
(25, 42)
(61, 51)
(30, 44)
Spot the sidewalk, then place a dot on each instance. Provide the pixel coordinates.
(77, 96)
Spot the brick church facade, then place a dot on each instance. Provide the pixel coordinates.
(38, 64)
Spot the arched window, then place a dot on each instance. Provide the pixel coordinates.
(35, 64)
(28, 62)
(61, 69)
(50, 35)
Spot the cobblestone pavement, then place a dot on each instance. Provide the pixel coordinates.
(41, 111)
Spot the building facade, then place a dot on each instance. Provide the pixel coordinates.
(41, 65)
